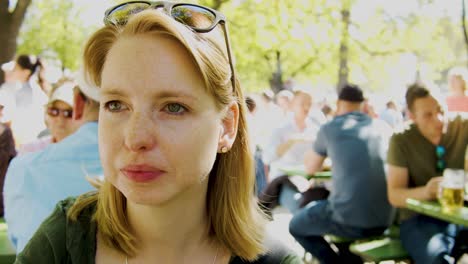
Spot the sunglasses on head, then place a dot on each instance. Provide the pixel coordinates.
(54, 112)
(199, 18)
(440, 162)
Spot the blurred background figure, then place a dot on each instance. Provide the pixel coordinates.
(266, 117)
(35, 182)
(391, 115)
(58, 117)
(26, 97)
(283, 101)
(368, 109)
(260, 176)
(328, 111)
(7, 151)
(457, 101)
(289, 142)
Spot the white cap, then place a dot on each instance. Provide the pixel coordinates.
(8, 66)
(86, 86)
(63, 93)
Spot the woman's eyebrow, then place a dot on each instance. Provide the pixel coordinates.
(175, 94)
(112, 91)
(168, 93)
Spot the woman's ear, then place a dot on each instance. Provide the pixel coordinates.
(229, 128)
(78, 106)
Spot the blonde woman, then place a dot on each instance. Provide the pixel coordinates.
(178, 172)
(457, 100)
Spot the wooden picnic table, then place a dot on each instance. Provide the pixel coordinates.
(300, 170)
(7, 251)
(434, 209)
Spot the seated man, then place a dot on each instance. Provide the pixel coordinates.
(289, 142)
(416, 159)
(35, 182)
(357, 206)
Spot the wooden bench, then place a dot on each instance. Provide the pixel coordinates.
(378, 250)
(7, 251)
(386, 247)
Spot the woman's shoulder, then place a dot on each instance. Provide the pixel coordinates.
(60, 239)
(276, 253)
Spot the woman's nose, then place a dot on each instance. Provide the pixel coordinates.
(140, 133)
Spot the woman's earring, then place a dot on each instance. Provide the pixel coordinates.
(224, 149)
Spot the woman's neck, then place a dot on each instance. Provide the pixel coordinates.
(179, 225)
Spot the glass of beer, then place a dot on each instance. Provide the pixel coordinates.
(452, 190)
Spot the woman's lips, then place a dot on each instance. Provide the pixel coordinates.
(142, 173)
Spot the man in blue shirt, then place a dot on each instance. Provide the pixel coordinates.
(357, 206)
(35, 182)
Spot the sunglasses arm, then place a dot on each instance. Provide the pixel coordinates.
(230, 56)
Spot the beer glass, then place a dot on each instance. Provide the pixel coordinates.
(451, 191)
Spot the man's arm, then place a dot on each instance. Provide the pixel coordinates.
(313, 162)
(398, 190)
(284, 147)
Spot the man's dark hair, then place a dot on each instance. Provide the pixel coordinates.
(29, 62)
(251, 105)
(414, 92)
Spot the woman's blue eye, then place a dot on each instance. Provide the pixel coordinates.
(174, 108)
(114, 106)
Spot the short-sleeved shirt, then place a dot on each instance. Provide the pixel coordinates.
(357, 144)
(61, 240)
(35, 182)
(295, 154)
(411, 150)
(457, 103)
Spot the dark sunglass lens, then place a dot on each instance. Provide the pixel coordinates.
(193, 16)
(121, 14)
(67, 113)
(53, 111)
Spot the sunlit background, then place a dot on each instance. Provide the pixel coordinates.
(382, 46)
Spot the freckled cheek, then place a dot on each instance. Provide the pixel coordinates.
(194, 149)
(110, 136)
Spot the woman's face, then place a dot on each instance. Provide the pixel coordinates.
(158, 128)
(60, 125)
(456, 83)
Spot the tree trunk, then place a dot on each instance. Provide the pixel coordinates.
(465, 33)
(10, 24)
(276, 80)
(343, 70)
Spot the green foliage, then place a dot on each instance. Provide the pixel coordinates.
(54, 27)
(386, 47)
(307, 34)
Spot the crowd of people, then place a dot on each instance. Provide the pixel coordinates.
(377, 162)
(151, 150)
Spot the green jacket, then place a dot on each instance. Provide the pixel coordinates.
(60, 240)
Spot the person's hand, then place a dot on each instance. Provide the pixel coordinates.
(432, 187)
(311, 183)
(293, 141)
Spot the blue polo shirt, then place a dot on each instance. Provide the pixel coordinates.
(35, 182)
(357, 146)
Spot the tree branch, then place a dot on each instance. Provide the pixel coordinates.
(377, 52)
(465, 34)
(303, 66)
(268, 59)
